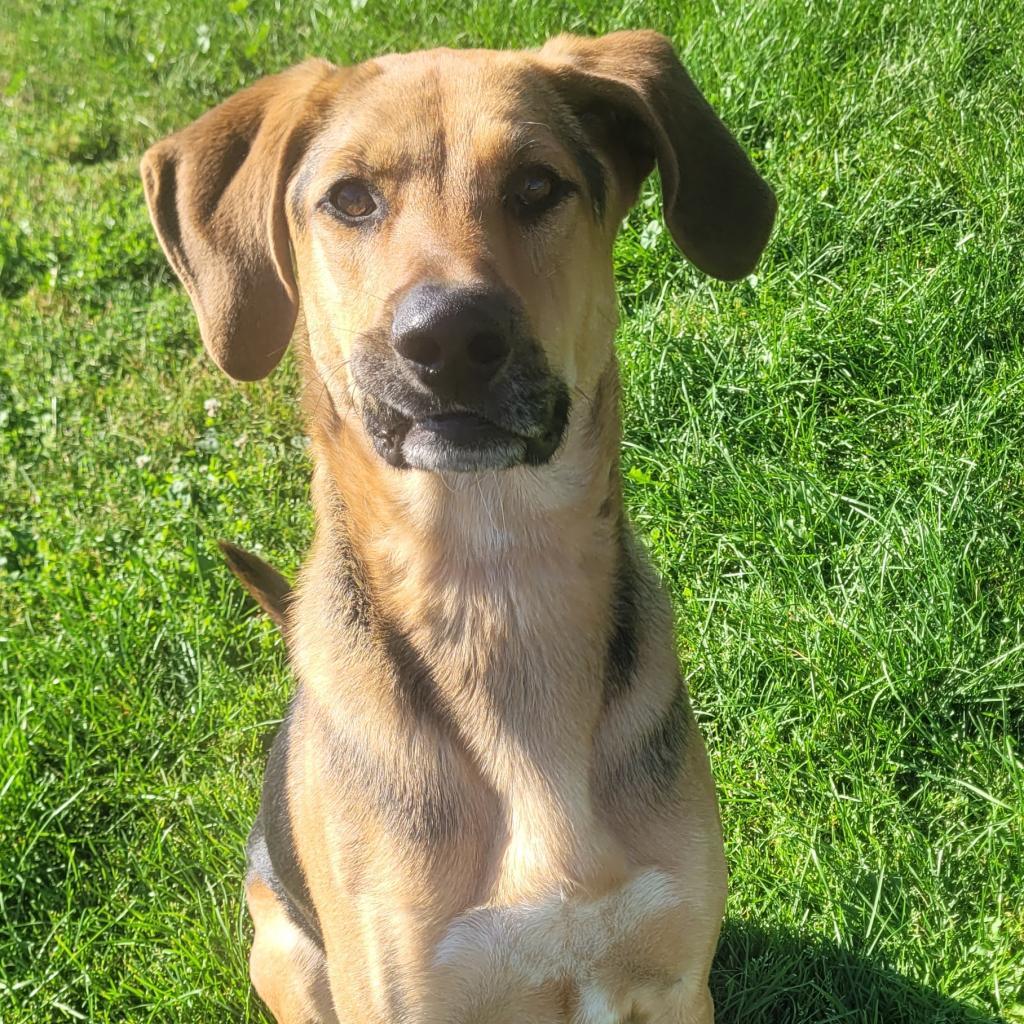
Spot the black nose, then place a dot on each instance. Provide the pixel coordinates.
(455, 340)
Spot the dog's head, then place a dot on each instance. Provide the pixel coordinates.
(445, 221)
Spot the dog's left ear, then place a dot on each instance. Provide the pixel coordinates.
(215, 192)
(646, 107)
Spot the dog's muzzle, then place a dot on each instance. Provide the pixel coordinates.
(459, 385)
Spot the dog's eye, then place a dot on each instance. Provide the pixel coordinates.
(352, 199)
(534, 186)
(534, 190)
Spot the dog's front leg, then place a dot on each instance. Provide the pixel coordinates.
(286, 966)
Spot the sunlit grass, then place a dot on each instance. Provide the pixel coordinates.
(824, 460)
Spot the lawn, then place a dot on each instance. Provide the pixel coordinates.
(824, 460)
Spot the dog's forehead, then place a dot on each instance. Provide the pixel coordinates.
(481, 105)
(497, 78)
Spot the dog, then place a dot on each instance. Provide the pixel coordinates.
(489, 801)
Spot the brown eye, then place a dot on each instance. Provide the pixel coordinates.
(534, 190)
(534, 187)
(353, 200)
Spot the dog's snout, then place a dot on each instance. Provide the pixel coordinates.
(455, 340)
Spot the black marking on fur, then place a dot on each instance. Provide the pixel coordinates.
(432, 809)
(660, 753)
(539, 450)
(623, 641)
(352, 594)
(416, 802)
(593, 174)
(600, 410)
(649, 770)
(419, 799)
(271, 850)
(416, 687)
(358, 605)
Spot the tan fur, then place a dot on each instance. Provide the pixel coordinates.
(463, 807)
(287, 968)
(267, 587)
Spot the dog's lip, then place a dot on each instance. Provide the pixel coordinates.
(460, 441)
(454, 423)
(462, 427)
(463, 438)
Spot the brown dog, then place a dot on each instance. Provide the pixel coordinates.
(489, 801)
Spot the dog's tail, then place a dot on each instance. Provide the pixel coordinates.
(269, 589)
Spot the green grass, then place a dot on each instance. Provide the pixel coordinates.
(825, 463)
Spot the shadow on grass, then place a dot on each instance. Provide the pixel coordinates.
(774, 976)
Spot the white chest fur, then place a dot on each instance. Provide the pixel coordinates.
(610, 960)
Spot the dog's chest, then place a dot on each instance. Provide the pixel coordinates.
(519, 671)
(605, 960)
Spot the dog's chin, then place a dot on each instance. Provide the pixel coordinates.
(460, 442)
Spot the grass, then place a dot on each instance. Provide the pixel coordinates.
(825, 462)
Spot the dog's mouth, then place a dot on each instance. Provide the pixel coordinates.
(519, 418)
(461, 441)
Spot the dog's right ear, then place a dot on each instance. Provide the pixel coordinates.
(215, 192)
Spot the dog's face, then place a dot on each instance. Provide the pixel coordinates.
(457, 271)
(445, 220)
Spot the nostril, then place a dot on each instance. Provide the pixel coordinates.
(455, 341)
(486, 348)
(421, 349)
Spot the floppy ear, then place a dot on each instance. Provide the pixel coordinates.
(718, 208)
(215, 192)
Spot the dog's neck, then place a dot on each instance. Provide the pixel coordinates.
(498, 585)
(413, 532)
